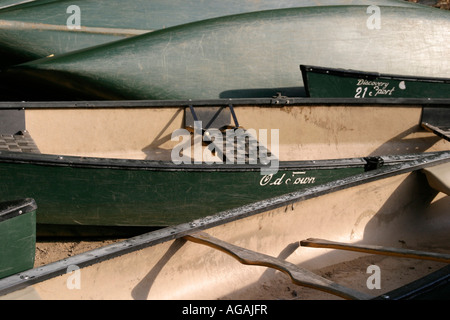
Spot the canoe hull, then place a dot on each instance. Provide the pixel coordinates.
(18, 236)
(338, 83)
(247, 55)
(148, 196)
(83, 160)
(397, 209)
(36, 30)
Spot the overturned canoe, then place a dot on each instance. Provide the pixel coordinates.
(17, 236)
(246, 55)
(396, 221)
(42, 28)
(322, 82)
(136, 163)
(9, 3)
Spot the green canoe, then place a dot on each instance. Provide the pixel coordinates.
(321, 82)
(117, 163)
(17, 236)
(368, 236)
(41, 28)
(246, 55)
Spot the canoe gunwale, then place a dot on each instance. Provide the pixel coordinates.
(33, 276)
(157, 165)
(14, 208)
(265, 102)
(419, 287)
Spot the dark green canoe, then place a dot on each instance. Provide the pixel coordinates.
(247, 55)
(109, 192)
(322, 82)
(17, 236)
(37, 29)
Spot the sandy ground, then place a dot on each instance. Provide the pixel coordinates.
(54, 250)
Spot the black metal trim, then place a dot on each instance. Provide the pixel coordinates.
(263, 102)
(153, 165)
(14, 208)
(423, 288)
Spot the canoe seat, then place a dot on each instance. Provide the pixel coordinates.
(19, 142)
(237, 145)
(439, 177)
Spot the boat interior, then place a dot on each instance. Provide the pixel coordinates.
(389, 232)
(290, 129)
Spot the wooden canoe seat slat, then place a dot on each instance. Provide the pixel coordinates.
(439, 177)
(20, 142)
(240, 146)
(237, 145)
(298, 275)
(404, 253)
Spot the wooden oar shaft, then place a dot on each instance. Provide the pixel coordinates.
(298, 275)
(404, 253)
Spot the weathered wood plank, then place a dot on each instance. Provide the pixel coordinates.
(404, 253)
(298, 275)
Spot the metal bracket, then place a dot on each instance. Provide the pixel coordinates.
(211, 117)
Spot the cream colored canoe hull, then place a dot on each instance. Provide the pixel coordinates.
(308, 129)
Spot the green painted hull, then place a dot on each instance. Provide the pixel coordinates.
(337, 83)
(17, 236)
(246, 55)
(38, 29)
(108, 192)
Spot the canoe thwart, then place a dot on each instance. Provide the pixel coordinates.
(441, 131)
(372, 249)
(299, 276)
(437, 120)
(19, 142)
(439, 177)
